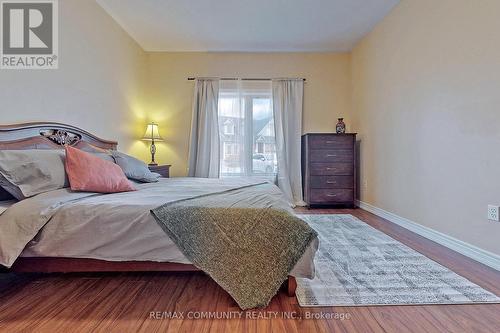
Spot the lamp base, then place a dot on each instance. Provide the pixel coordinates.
(152, 149)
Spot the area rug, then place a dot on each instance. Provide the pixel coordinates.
(357, 265)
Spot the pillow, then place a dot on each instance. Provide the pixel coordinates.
(89, 173)
(104, 156)
(25, 173)
(134, 169)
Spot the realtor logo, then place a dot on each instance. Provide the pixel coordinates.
(29, 38)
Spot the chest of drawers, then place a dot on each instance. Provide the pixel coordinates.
(329, 169)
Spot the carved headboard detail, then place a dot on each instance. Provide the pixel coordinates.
(61, 137)
(50, 136)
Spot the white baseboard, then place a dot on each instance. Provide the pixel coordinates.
(488, 258)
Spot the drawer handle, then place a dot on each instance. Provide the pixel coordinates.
(331, 169)
(331, 195)
(331, 182)
(331, 155)
(330, 141)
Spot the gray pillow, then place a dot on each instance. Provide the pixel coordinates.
(25, 173)
(105, 156)
(134, 169)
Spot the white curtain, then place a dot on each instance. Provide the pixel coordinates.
(287, 107)
(204, 148)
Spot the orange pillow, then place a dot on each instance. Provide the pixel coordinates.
(89, 173)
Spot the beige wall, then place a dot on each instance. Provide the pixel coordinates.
(327, 93)
(426, 102)
(98, 83)
(109, 86)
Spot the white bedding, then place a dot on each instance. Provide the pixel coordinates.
(120, 227)
(6, 204)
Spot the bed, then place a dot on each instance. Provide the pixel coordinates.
(90, 232)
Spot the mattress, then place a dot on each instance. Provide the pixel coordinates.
(120, 227)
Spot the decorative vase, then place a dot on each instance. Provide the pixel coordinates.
(341, 126)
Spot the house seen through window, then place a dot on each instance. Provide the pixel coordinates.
(248, 146)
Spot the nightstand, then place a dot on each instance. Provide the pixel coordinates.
(163, 170)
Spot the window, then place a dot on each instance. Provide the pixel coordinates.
(260, 147)
(228, 127)
(247, 129)
(230, 150)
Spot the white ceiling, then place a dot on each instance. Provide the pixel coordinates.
(248, 25)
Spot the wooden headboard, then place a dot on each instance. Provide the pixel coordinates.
(49, 135)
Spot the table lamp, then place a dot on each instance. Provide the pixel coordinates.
(152, 135)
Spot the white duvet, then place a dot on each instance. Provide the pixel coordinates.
(120, 227)
(6, 204)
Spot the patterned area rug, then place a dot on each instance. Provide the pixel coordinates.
(359, 265)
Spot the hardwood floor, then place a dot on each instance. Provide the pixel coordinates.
(124, 302)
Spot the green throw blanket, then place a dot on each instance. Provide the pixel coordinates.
(249, 252)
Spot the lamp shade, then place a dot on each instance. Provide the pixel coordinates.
(152, 133)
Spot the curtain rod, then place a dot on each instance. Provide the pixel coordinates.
(243, 79)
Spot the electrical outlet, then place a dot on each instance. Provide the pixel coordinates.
(493, 213)
(365, 184)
